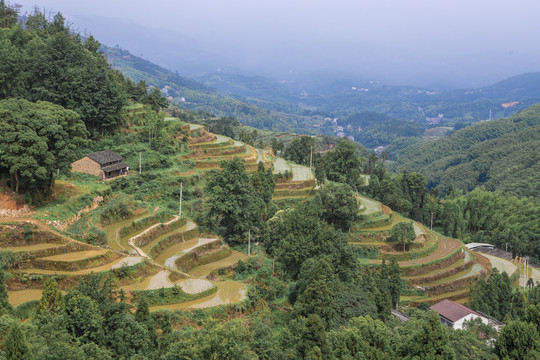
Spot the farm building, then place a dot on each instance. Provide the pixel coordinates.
(454, 314)
(103, 164)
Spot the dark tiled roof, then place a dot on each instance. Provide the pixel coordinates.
(114, 167)
(105, 157)
(452, 311)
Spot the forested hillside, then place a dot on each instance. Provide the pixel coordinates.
(501, 155)
(191, 94)
(240, 244)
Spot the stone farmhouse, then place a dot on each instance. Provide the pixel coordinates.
(103, 164)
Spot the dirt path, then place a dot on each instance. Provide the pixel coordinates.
(131, 240)
(501, 264)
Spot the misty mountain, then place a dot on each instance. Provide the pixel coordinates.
(168, 48)
(343, 94)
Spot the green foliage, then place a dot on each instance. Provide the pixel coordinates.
(518, 340)
(426, 339)
(37, 140)
(299, 150)
(468, 345)
(317, 290)
(365, 336)
(52, 300)
(298, 234)
(56, 66)
(84, 318)
(343, 164)
(263, 183)
(15, 344)
(403, 233)
(500, 154)
(494, 296)
(494, 218)
(4, 301)
(339, 205)
(232, 201)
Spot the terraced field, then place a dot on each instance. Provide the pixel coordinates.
(169, 245)
(435, 267)
(208, 154)
(77, 259)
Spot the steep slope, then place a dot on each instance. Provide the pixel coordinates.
(189, 93)
(501, 155)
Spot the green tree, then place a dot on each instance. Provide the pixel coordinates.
(427, 339)
(517, 305)
(231, 200)
(263, 183)
(318, 296)
(37, 140)
(313, 343)
(264, 343)
(299, 150)
(8, 14)
(15, 344)
(142, 316)
(51, 299)
(84, 320)
(533, 315)
(395, 283)
(343, 164)
(339, 205)
(403, 232)
(518, 340)
(4, 301)
(155, 99)
(276, 146)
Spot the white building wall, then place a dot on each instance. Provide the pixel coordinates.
(459, 323)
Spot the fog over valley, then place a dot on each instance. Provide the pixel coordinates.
(447, 45)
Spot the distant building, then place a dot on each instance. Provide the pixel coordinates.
(454, 314)
(379, 149)
(435, 120)
(510, 104)
(339, 128)
(103, 164)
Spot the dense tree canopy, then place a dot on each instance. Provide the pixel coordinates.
(232, 202)
(38, 139)
(500, 154)
(42, 60)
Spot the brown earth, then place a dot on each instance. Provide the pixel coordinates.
(9, 202)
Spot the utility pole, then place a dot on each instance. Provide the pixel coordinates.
(140, 163)
(310, 158)
(180, 211)
(249, 242)
(431, 228)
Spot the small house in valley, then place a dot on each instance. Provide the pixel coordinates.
(454, 314)
(103, 164)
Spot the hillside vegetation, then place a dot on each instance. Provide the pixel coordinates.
(191, 94)
(211, 248)
(501, 155)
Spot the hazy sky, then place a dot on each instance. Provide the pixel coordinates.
(459, 42)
